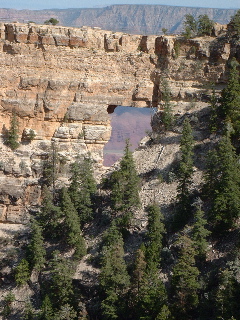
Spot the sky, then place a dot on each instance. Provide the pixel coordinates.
(63, 4)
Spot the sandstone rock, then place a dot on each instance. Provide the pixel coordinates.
(61, 81)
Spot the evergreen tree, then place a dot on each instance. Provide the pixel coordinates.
(12, 136)
(227, 296)
(114, 279)
(190, 26)
(46, 309)
(225, 186)
(234, 24)
(204, 25)
(22, 273)
(51, 168)
(28, 313)
(8, 301)
(61, 289)
(148, 295)
(66, 312)
(155, 230)
(36, 250)
(82, 189)
(185, 173)
(71, 225)
(184, 281)
(167, 115)
(200, 233)
(125, 187)
(214, 112)
(230, 101)
(50, 215)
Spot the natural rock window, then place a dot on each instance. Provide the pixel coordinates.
(127, 123)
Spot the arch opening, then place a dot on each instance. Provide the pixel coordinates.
(127, 123)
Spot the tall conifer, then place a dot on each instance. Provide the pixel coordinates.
(125, 187)
(114, 279)
(184, 282)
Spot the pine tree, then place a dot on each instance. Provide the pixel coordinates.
(22, 273)
(204, 25)
(225, 186)
(227, 295)
(214, 112)
(184, 281)
(167, 115)
(61, 289)
(12, 137)
(200, 233)
(66, 312)
(46, 309)
(185, 175)
(51, 168)
(125, 187)
(36, 250)
(82, 189)
(230, 101)
(28, 313)
(8, 301)
(234, 24)
(190, 26)
(148, 295)
(71, 225)
(114, 279)
(155, 230)
(50, 215)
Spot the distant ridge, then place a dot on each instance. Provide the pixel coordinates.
(138, 19)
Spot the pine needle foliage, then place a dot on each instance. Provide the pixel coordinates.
(114, 278)
(22, 273)
(36, 250)
(71, 225)
(185, 285)
(155, 231)
(50, 215)
(82, 189)
(200, 233)
(125, 187)
(185, 173)
(61, 288)
(230, 100)
(223, 179)
(12, 135)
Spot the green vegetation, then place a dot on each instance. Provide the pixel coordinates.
(52, 21)
(82, 189)
(114, 279)
(22, 273)
(167, 115)
(185, 173)
(230, 101)
(164, 30)
(197, 27)
(12, 135)
(185, 283)
(177, 261)
(36, 250)
(223, 180)
(125, 188)
(235, 23)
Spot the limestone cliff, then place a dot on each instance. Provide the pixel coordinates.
(60, 81)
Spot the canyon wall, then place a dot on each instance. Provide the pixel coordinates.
(62, 81)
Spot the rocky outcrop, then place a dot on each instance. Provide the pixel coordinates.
(60, 82)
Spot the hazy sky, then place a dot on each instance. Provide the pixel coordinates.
(63, 4)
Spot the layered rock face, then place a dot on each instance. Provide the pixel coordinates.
(60, 82)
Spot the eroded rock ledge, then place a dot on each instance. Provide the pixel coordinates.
(60, 82)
